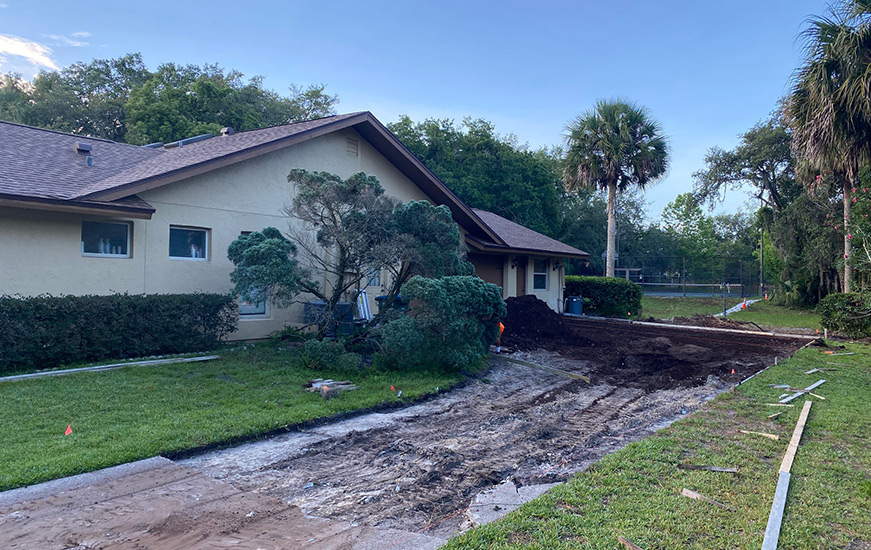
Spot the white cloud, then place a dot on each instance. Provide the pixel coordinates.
(66, 40)
(3, 5)
(38, 55)
(81, 34)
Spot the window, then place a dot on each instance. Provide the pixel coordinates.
(250, 309)
(188, 243)
(374, 277)
(111, 239)
(539, 275)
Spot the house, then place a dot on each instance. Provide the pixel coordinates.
(83, 215)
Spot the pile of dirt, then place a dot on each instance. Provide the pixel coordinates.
(530, 322)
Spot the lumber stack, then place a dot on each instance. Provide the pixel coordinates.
(329, 388)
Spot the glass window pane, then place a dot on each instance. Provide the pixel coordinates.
(540, 266)
(185, 242)
(249, 308)
(105, 238)
(539, 282)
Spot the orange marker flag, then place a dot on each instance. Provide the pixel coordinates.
(733, 371)
(392, 388)
(69, 429)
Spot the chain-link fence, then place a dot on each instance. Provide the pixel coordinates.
(685, 276)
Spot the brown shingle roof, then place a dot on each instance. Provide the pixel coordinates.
(520, 238)
(44, 164)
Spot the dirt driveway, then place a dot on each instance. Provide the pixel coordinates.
(405, 479)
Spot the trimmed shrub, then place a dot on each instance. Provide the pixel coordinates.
(48, 331)
(325, 354)
(451, 324)
(847, 313)
(606, 296)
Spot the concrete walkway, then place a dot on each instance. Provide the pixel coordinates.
(156, 503)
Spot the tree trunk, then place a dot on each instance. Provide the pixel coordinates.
(848, 244)
(612, 229)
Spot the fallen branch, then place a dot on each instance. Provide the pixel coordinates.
(692, 494)
(763, 434)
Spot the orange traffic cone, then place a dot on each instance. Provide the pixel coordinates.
(744, 304)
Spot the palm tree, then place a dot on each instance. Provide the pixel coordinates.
(611, 147)
(830, 104)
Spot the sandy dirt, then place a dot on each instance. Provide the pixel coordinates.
(414, 472)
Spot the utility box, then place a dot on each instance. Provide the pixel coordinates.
(315, 311)
(574, 305)
(399, 303)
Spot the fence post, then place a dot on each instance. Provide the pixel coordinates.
(683, 277)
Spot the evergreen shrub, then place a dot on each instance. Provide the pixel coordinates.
(847, 313)
(49, 331)
(606, 296)
(451, 323)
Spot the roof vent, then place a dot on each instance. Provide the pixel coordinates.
(227, 131)
(82, 148)
(89, 160)
(352, 147)
(188, 141)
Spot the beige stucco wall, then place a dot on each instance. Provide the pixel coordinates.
(40, 252)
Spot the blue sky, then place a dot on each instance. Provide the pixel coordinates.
(707, 71)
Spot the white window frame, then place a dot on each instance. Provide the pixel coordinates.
(206, 243)
(373, 275)
(545, 273)
(128, 225)
(258, 315)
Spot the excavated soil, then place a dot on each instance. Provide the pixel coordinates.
(416, 470)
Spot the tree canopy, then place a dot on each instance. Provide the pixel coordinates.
(122, 100)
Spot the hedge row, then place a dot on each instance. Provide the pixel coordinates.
(606, 296)
(848, 314)
(49, 331)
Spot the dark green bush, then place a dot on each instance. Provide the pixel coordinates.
(451, 324)
(326, 354)
(48, 331)
(606, 296)
(848, 314)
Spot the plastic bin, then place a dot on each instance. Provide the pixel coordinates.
(575, 305)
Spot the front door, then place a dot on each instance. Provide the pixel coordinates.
(521, 276)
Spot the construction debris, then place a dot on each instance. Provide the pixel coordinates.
(329, 388)
(628, 544)
(763, 434)
(790, 388)
(709, 468)
(800, 392)
(775, 415)
(772, 530)
(778, 405)
(692, 494)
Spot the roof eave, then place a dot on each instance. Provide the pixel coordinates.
(499, 249)
(76, 207)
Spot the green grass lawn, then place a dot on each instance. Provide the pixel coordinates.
(668, 307)
(635, 492)
(769, 315)
(138, 412)
(764, 314)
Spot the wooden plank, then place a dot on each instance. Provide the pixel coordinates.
(778, 405)
(763, 434)
(786, 465)
(692, 494)
(149, 363)
(628, 544)
(775, 518)
(708, 468)
(775, 415)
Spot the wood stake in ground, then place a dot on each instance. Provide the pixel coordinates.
(692, 494)
(763, 434)
(775, 518)
(628, 544)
